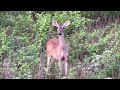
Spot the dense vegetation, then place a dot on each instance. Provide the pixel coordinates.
(93, 38)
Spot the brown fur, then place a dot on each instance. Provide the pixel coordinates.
(57, 48)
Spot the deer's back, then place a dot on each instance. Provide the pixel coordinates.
(52, 44)
(53, 48)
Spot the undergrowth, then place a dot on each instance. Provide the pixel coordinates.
(21, 40)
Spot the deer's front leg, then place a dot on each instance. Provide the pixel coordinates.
(66, 61)
(60, 68)
(48, 64)
(66, 68)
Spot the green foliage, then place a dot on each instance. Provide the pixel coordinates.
(22, 46)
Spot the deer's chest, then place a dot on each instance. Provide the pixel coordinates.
(61, 52)
(61, 49)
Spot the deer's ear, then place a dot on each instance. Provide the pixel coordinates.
(67, 23)
(55, 23)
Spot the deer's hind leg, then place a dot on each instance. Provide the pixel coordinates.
(48, 64)
(60, 68)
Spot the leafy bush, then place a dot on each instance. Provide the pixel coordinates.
(21, 41)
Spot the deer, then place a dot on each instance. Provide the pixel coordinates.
(57, 48)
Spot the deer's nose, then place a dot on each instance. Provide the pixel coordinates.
(60, 33)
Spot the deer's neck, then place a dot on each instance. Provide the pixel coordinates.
(61, 40)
